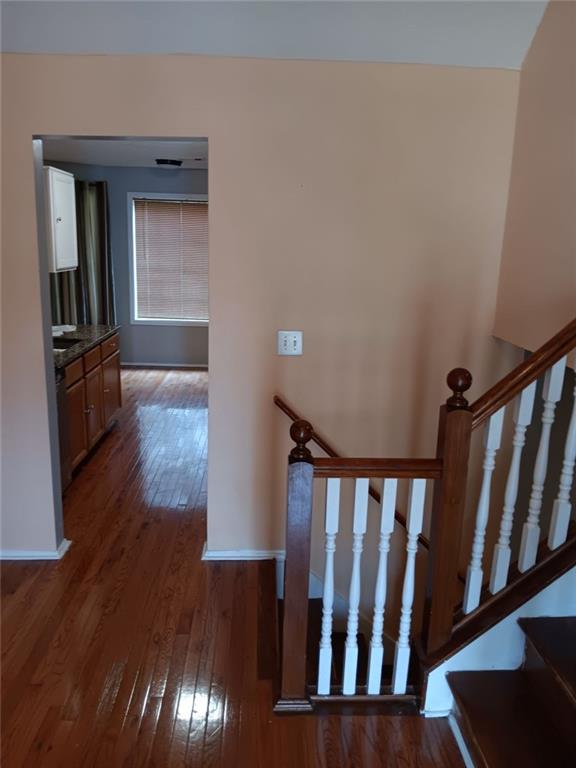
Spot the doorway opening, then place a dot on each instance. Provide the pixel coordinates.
(123, 242)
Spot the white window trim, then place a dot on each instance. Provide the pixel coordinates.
(132, 255)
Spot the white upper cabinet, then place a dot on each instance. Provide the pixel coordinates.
(60, 220)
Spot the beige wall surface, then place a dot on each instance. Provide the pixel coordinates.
(361, 203)
(537, 293)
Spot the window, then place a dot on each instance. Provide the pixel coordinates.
(170, 260)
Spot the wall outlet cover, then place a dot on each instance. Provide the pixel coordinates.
(290, 343)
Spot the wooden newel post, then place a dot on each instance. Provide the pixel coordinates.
(293, 689)
(453, 448)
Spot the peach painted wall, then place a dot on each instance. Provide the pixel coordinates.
(537, 293)
(361, 203)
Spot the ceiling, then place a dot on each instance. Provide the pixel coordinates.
(127, 152)
(470, 33)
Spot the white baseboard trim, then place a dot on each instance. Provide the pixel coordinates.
(279, 555)
(184, 366)
(242, 554)
(435, 713)
(36, 554)
(459, 739)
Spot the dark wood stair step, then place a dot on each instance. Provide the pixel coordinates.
(505, 724)
(552, 645)
(554, 640)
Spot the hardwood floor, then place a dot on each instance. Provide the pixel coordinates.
(130, 652)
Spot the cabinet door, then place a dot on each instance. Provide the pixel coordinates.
(95, 415)
(111, 387)
(62, 220)
(76, 413)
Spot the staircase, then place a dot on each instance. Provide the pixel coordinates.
(534, 551)
(524, 717)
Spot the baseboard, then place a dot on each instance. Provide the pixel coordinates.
(436, 714)
(242, 554)
(279, 555)
(36, 554)
(460, 741)
(183, 366)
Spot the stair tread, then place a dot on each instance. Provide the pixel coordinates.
(504, 725)
(554, 638)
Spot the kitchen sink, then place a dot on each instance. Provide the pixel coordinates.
(59, 343)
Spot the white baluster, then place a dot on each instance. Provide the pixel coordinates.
(492, 440)
(551, 394)
(562, 506)
(413, 528)
(523, 410)
(376, 657)
(331, 527)
(359, 529)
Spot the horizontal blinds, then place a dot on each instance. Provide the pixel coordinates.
(171, 260)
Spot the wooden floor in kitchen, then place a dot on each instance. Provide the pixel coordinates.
(132, 652)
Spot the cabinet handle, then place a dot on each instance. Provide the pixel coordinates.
(106, 391)
(87, 410)
(59, 219)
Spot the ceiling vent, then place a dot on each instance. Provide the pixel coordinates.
(166, 163)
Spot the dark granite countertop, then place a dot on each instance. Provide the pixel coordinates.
(88, 336)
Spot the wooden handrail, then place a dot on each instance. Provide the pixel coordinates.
(407, 468)
(293, 416)
(531, 369)
(329, 449)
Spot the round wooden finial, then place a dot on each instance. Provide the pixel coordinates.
(459, 380)
(301, 432)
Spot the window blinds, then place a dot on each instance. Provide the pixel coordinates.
(171, 260)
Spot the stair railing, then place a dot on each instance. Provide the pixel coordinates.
(328, 448)
(303, 469)
(449, 473)
(513, 397)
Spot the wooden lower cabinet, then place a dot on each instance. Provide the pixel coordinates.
(111, 387)
(94, 405)
(77, 433)
(92, 401)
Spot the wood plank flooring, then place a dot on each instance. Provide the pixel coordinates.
(132, 653)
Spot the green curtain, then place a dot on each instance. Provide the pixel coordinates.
(85, 296)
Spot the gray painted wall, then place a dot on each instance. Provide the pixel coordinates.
(166, 345)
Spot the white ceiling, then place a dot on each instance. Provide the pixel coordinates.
(471, 33)
(127, 152)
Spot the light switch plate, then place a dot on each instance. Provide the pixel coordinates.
(289, 342)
